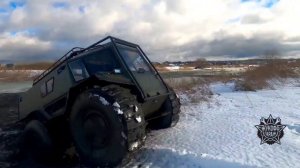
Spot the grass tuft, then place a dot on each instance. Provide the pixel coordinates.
(196, 89)
(259, 77)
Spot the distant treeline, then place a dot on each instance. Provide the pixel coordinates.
(205, 62)
(33, 66)
(198, 63)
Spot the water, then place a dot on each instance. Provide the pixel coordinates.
(13, 87)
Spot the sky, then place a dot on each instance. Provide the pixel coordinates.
(167, 30)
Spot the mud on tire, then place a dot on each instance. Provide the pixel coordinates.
(105, 123)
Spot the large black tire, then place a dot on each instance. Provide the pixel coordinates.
(104, 123)
(37, 143)
(170, 110)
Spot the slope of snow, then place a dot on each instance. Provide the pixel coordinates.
(222, 133)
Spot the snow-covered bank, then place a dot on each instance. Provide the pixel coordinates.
(14, 87)
(18, 75)
(221, 133)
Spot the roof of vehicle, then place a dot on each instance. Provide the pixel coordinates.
(77, 51)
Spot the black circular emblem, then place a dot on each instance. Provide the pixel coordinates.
(270, 130)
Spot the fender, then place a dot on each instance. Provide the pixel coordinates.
(92, 82)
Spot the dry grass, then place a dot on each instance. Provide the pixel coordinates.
(259, 77)
(196, 89)
(34, 66)
(21, 72)
(223, 78)
(183, 84)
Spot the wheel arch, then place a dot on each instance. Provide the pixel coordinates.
(88, 84)
(39, 115)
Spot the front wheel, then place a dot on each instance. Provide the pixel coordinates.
(104, 123)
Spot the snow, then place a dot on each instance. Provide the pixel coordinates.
(222, 133)
(124, 135)
(138, 119)
(116, 106)
(173, 68)
(136, 109)
(101, 99)
(34, 73)
(120, 111)
(295, 128)
(134, 145)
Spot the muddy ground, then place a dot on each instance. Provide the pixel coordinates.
(10, 134)
(11, 155)
(8, 108)
(9, 129)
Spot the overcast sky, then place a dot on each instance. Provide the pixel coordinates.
(34, 30)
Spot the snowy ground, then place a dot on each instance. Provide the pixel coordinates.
(221, 133)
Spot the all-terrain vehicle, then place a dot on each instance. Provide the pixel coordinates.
(96, 101)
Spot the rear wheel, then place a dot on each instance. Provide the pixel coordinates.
(170, 111)
(37, 143)
(104, 123)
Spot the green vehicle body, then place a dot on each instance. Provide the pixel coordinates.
(54, 91)
(99, 100)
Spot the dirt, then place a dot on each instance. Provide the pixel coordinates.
(9, 129)
(11, 135)
(8, 108)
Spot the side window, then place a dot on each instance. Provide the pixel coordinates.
(43, 90)
(78, 70)
(47, 87)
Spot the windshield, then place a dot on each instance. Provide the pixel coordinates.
(142, 70)
(102, 61)
(133, 59)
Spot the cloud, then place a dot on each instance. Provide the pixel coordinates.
(61, 5)
(238, 45)
(166, 29)
(252, 19)
(20, 46)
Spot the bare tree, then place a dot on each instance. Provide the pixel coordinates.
(272, 55)
(200, 63)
